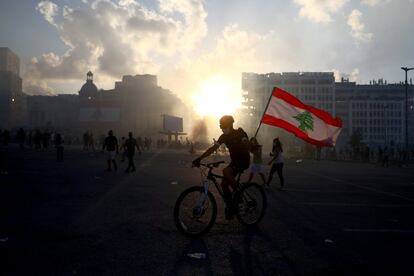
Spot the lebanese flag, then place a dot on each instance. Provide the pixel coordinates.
(313, 125)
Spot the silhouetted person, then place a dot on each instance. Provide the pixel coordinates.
(30, 139)
(237, 142)
(380, 152)
(123, 149)
(318, 153)
(91, 142)
(386, 160)
(277, 161)
(130, 145)
(37, 139)
(6, 137)
(85, 140)
(111, 145)
(21, 137)
(59, 147)
(256, 166)
(45, 139)
(139, 142)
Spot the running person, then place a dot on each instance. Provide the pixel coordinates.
(111, 145)
(238, 144)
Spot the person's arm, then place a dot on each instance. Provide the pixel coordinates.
(104, 145)
(275, 154)
(208, 152)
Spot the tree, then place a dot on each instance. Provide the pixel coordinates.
(306, 121)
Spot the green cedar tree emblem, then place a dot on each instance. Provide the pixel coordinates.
(306, 121)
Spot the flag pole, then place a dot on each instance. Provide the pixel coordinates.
(264, 111)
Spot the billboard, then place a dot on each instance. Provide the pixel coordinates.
(172, 123)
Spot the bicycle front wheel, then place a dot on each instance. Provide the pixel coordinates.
(195, 212)
(251, 204)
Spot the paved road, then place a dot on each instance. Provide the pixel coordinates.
(72, 218)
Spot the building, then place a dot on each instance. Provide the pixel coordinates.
(12, 99)
(313, 88)
(135, 103)
(375, 110)
(53, 112)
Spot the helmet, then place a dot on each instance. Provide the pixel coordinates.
(226, 121)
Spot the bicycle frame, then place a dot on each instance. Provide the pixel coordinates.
(213, 178)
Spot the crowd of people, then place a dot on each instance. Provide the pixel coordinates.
(43, 139)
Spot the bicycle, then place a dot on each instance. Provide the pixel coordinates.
(195, 210)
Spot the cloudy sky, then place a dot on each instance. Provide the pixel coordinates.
(186, 42)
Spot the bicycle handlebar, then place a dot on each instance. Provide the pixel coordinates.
(213, 164)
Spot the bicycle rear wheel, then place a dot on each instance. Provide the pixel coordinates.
(195, 212)
(251, 204)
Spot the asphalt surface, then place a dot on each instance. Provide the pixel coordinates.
(72, 218)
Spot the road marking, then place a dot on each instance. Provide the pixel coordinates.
(360, 186)
(378, 230)
(321, 191)
(357, 204)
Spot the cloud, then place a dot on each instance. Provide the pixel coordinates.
(353, 76)
(35, 86)
(319, 10)
(374, 3)
(49, 10)
(234, 51)
(117, 38)
(357, 27)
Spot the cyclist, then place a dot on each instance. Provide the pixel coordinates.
(237, 142)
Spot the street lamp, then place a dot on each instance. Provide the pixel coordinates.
(406, 107)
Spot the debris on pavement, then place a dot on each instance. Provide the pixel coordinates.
(197, 255)
(4, 239)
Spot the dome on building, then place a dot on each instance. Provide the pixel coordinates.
(89, 89)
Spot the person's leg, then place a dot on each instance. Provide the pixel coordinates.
(263, 177)
(129, 165)
(250, 176)
(109, 165)
(280, 173)
(132, 162)
(115, 166)
(227, 182)
(272, 171)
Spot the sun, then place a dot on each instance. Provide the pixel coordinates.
(217, 96)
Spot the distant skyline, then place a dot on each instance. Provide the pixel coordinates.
(185, 42)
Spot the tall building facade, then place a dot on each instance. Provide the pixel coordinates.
(375, 110)
(12, 99)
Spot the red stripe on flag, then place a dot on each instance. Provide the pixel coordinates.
(323, 115)
(270, 120)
